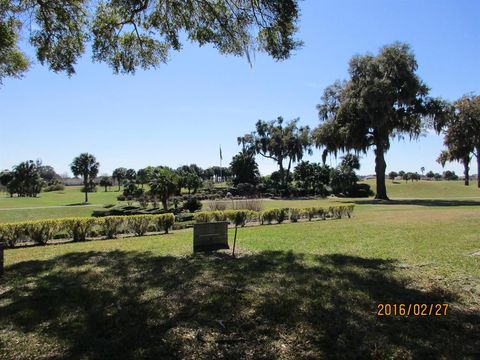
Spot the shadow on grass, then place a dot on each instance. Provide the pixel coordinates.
(126, 305)
(421, 202)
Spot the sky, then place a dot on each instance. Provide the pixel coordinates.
(181, 112)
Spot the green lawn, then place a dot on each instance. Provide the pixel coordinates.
(429, 189)
(70, 196)
(305, 290)
(70, 201)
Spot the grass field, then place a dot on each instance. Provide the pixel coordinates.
(70, 201)
(306, 290)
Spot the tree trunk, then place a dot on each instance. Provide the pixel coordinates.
(380, 168)
(165, 204)
(478, 166)
(466, 162)
(85, 185)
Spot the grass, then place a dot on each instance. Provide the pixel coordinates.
(424, 189)
(71, 196)
(306, 290)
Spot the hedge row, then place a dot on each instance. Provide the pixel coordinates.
(241, 217)
(78, 229)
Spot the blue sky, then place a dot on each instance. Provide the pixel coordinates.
(181, 112)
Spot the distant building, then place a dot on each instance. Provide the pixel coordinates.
(72, 181)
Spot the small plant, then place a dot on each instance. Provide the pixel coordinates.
(42, 231)
(110, 226)
(192, 204)
(79, 228)
(281, 215)
(164, 222)
(295, 214)
(11, 233)
(139, 224)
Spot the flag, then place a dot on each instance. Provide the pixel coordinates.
(221, 157)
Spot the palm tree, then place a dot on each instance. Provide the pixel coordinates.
(119, 174)
(86, 166)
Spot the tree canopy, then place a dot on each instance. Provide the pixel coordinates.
(128, 35)
(383, 98)
(279, 142)
(462, 134)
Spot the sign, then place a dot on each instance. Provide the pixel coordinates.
(210, 236)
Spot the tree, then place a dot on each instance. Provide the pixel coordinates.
(430, 174)
(312, 178)
(279, 142)
(128, 35)
(106, 182)
(462, 134)
(131, 175)
(422, 170)
(24, 179)
(383, 98)
(392, 175)
(164, 185)
(343, 179)
(119, 174)
(450, 175)
(86, 166)
(244, 168)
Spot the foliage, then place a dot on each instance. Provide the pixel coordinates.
(244, 168)
(312, 178)
(79, 228)
(119, 174)
(164, 184)
(110, 225)
(140, 34)
(450, 175)
(139, 224)
(164, 221)
(54, 185)
(24, 179)
(383, 98)
(106, 182)
(462, 134)
(192, 204)
(42, 230)
(11, 233)
(279, 142)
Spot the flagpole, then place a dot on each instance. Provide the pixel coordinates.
(221, 157)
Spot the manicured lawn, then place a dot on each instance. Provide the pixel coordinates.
(305, 290)
(429, 189)
(70, 196)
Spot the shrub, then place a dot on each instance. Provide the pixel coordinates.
(110, 225)
(203, 217)
(54, 187)
(11, 233)
(139, 224)
(164, 222)
(42, 231)
(238, 217)
(192, 204)
(281, 215)
(268, 216)
(79, 228)
(121, 197)
(295, 214)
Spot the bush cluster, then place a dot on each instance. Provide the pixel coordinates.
(241, 217)
(78, 229)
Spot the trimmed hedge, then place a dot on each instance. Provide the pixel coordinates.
(241, 217)
(79, 229)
